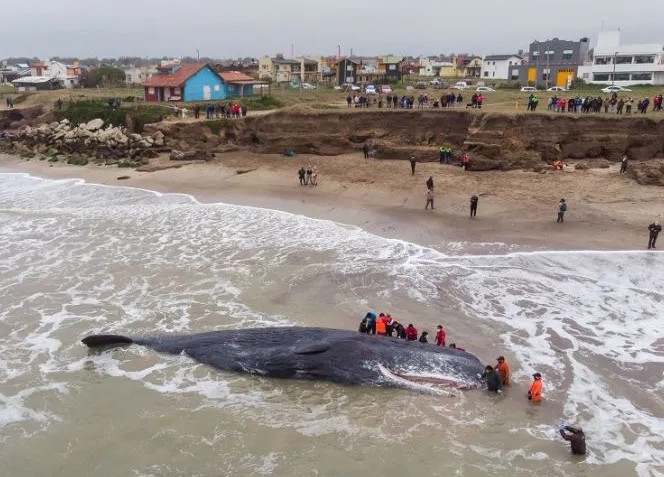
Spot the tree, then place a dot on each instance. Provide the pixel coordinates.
(103, 76)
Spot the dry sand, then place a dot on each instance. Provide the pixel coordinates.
(606, 211)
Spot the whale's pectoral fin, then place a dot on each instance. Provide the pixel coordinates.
(312, 348)
(94, 341)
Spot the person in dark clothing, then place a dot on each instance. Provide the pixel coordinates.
(576, 438)
(301, 173)
(197, 111)
(493, 380)
(363, 325)
(413, 162)
(365, 150)
(562, 208)
(654, 229)
(423, 337)
(399, 330)
(473, 205)
(371, 323)
(623, 165)
(430, 183)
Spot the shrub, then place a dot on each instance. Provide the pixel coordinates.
(87, 110)
(77, 161)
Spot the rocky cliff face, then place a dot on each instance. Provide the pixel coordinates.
(494, 141)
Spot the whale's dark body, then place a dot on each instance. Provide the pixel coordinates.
(340, 356)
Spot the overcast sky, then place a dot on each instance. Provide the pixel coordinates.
(238, 28)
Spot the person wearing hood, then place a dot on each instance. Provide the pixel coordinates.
(494, 381)
(576, 438)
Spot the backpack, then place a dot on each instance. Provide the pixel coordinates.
(563, 207)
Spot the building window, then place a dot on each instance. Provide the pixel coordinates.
(601, 77)
(603, 60)
(644, 59)
(623, 60)
(486, 73)
(567, 54)
(150, 90)
(621, 77)
(217, 87)
(176, 90)
(641, 76)
(493, 74)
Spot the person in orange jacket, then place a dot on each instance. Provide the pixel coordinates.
(503, 369)
(535, 391)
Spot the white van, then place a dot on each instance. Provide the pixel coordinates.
(460, 85)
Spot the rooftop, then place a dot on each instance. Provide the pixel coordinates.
(501, 57)
(176, 79)
(34, 79)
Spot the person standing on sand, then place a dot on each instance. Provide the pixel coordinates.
(314, 177)
(309, 174)
(473, 205)
(465, 161)
(301, 173)
(365, 150)
(429, 198)
(654, 229)
(562, 208)
(623, 164)
(430, 183)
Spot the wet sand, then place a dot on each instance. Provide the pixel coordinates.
(606, 211)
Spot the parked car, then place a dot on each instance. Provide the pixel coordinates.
(349, 86)
(436, 82)
(528, 89)
(386, 89)
(484, 89)
(614, 89)
(420, 85)
(441, 85)
(370, 89)
(460, 85)
(308, 86)
(557, 88)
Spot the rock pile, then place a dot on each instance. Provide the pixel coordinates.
(89, 139)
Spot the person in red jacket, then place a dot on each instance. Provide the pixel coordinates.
(535, 391)
(411, 333)
(440, 336)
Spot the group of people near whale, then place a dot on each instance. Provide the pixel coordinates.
(383, 324)
(497, 376)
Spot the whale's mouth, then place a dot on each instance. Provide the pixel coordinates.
(430, 383)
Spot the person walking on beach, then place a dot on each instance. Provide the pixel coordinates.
(562, 208)
(314, 177)
(430, 183)
(365, 150)
(413, 163)
(301, 173)
(473, 205)
(623, 164)
(535, 391)
(429, 198)
(310, 173)
(654, 229)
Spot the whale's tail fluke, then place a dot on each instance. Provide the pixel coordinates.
(94, 341)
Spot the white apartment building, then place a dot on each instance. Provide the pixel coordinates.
(624, 65)
(504, 67)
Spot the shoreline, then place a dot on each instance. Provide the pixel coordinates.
(607, 211)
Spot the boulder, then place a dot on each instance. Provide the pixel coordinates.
(94, 125)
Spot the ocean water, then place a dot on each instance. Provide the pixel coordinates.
(79, 258)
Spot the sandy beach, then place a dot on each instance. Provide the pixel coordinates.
(606, 210)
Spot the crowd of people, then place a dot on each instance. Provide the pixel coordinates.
(589, 104)
(384, 325)
(390, 101)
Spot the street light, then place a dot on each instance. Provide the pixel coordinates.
(613, 78)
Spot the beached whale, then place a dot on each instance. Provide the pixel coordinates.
(340, 356)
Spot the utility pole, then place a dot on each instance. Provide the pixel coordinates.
(613, 78)
(548, 69)
(198, 55)
(338, 51)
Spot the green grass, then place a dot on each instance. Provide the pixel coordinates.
(86, 110)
